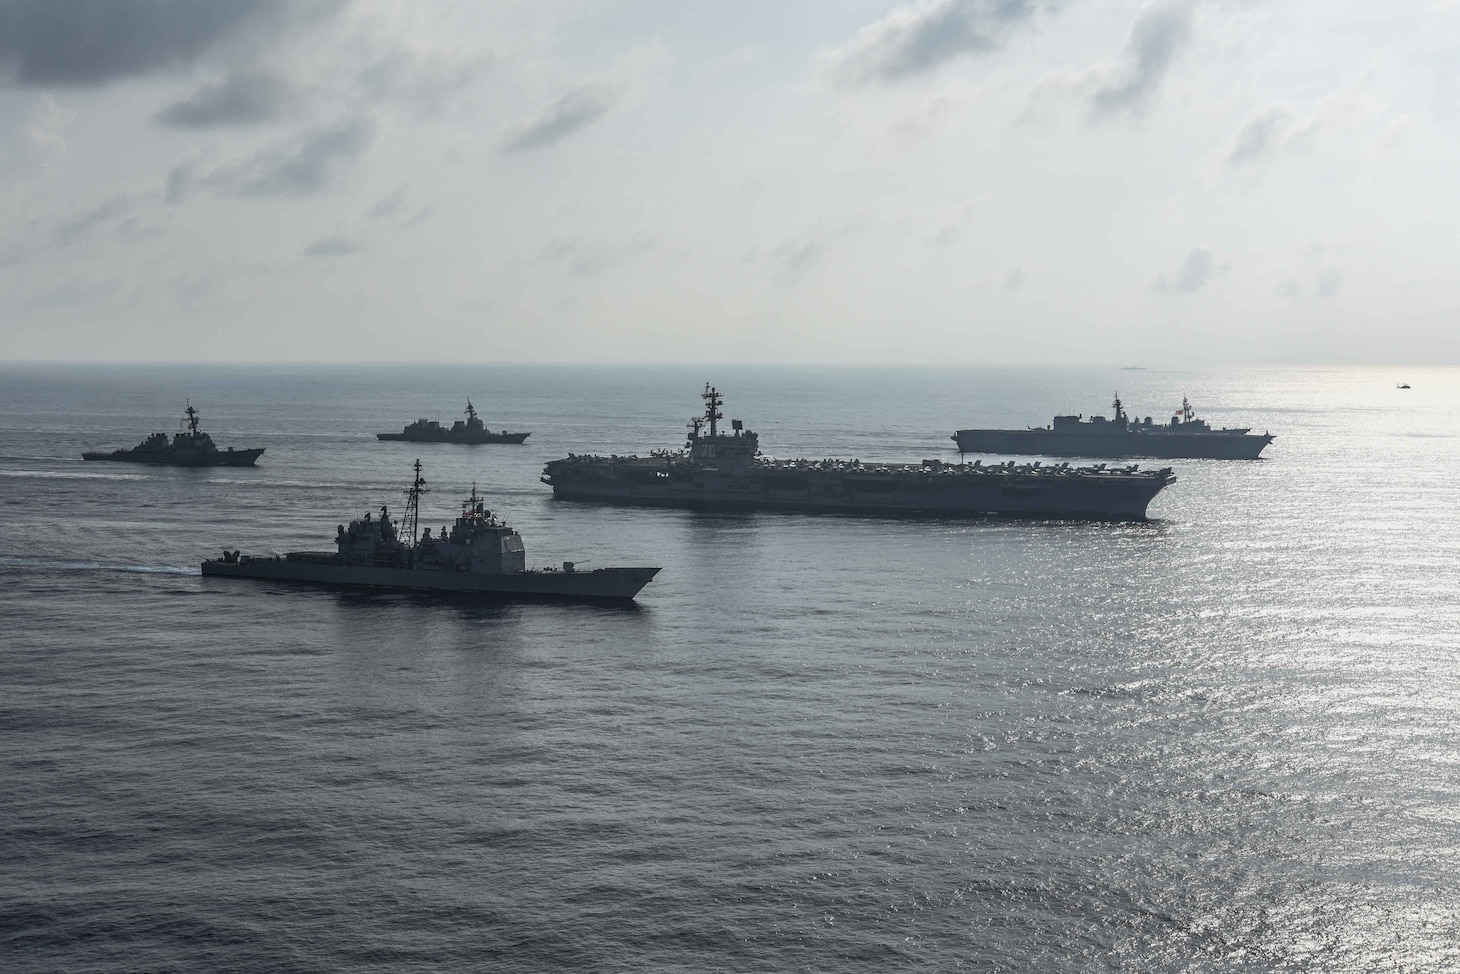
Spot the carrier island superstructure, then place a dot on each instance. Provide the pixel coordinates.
(478, 553)
(723, 471)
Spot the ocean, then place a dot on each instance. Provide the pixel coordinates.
(1222, 740)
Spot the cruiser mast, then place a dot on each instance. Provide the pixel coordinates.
(413, 504)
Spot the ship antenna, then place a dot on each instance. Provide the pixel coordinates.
(713, 402)
(413, 504)
(471, 412)
(192, 418)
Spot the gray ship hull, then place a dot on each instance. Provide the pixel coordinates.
(222, 458)
(1115, 445)
(446, 436)
(600, 583)
(1088, 498)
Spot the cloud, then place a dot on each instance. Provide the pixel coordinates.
(584, 258)
(1289, 289)
(247, 98)
(334, 246)
(1260, 135)
(1280, 129)
(1194, 274)
(1157, 37)
(426, 79)
(73, 292)
(918, 38)
(577, 109)
(793, 259)
(955, 222)
(92, 42)
(306, 164)
(389, 205)
(75, 229)
(1015, 280)
(1328, 283)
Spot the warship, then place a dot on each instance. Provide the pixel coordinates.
(473, 430)
(190, 448)
(477, 554)
(718, 471)
(1185, 437)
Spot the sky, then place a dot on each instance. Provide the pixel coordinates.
(1182, 183)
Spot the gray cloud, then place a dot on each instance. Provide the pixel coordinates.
(793, 259)
(388, 205)
(583, 258)
(1157, 37)
(1328, 283)
(247, 98)
(307, 164)
(1289, 289)
(334, 246)
(1193, 274)
(1015, 280)
(914, 39)
(92, 42)
(73, 292)
(578, 108)
(75, 229)
(425, 81)
(1259, 136)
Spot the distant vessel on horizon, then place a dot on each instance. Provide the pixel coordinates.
(473, 430)
(1185, 437)
(725, 472)
(478, 554)
(190, 448)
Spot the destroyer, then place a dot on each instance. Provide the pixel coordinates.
(477, 554)
(190, 448)
(1185, 437)
(471, 431)
(725, 471)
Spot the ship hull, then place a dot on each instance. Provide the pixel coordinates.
(223, 458)
(600, 583)
(446, 437)
(1166, 446)
(1086, 498)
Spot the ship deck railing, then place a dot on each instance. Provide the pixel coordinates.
(926, 468)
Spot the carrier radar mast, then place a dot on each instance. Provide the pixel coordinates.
(713, 402)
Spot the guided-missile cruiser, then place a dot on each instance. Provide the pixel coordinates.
(478, 553)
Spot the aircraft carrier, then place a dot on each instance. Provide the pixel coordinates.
(477, 554)
(719, 471)
(1185, 437)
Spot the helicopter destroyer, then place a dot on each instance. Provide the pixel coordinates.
(478, 554)
(471, 431)
(1185, 437)
(726, 471)
(191, 448)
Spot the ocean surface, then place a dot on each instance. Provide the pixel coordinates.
(1224, 740)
